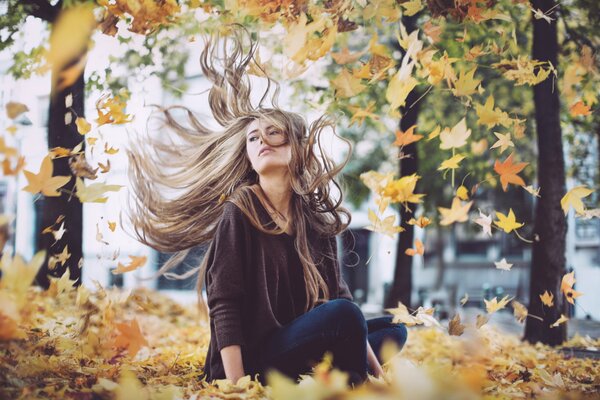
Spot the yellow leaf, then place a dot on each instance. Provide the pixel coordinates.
(520, 311)
(407, 137)
(412, 7)
(419, 249)
(346, 85)
(466, 84)
(547, 298)
(456, 213)
(494, 305)
(14, 109)
(402, 190)
(83, 126)
(94, 193)
(573, 199)
(507, 223)
(385, 226)
(451, 163)
(17, 275)
(43, 182)
(136, 262)
(462, 193)
(559, 321)
(566, 286)
(490, 116)
(398, 90)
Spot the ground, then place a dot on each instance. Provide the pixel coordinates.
(114, 344)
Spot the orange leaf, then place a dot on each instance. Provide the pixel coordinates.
(508, 172)
(579, 108)
(129, 337)
(406, 137)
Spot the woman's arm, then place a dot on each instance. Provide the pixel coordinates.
(373, 362)
(232, 362)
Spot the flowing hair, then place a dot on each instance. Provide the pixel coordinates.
(179, 189)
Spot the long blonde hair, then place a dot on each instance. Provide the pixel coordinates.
(208, 168)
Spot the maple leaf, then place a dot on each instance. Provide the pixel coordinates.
(136, 262)
(559, 321)
(360, 114)
(421, 222)
(519, 310)
(503, 265)
(456, 213)
(346, 85)
(43, 182)
(481, 320)
(412, 7)
(407, 137)
(464, 300)
(94, 193)
(402, 190)
(398, 90)
(507, 222)
(573, 199)
(129, 337)
(345, 57)
(451, 163)
(579, 108)
(547, 298)
(17, 275)
(455, 328)
(83, 126)
(466, 84)
(485, 221)
(508, 172)
(566, 286)
(455, 137)
(462, 193)
(494, 305)
(490, 116)
(419, 249)
(503, 141)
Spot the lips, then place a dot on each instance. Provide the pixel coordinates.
(264, 150)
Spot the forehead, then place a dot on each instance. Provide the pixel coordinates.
(258, 124)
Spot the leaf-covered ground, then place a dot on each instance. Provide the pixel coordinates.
(106, 344)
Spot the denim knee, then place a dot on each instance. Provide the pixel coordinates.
(350, 314)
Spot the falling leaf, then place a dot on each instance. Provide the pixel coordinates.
(419, 249)
(508, 172)
(457, 212)
(14, 109)
(136, 262)
(385, 226)
(494, 305)
(83, 126)
(503, 265)
(490, 116)
(455, 328)
(566, 286)
(466, 84)
(530, 189)
(547, 298)
(485, 221)
(95, 192)
(462, 193)
(112, 225)
(573, 199)
(559, 321)
(402, 190)
(421, 222)
(481, 320)
(503, 141)
(80, 167)
(346, 85)
(464, 300)
(110, 150)
(455, 137)
(451, 163)
(520, 311)
(43, 182)
(507, 223)
(398, 90)
(407, 137)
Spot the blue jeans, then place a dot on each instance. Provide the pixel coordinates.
(337, 326)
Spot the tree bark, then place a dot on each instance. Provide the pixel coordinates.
(401, 289)
(67, 136)
(548, 254)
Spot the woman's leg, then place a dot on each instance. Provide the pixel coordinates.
(337, 326)
(382, 328)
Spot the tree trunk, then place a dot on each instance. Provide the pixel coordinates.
(548, 256)
(65, 136)
(401, 289)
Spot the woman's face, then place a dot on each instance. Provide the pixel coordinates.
(272, 159)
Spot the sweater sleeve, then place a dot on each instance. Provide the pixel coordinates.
(343, 291)
(225, 277)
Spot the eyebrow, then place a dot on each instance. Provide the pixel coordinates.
(254, 130)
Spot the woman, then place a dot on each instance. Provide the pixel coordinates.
(256, 191)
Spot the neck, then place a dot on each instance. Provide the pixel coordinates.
(278, 191)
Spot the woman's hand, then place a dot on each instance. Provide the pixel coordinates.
(374, 363)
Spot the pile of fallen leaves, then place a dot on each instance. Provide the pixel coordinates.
(110, 343)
